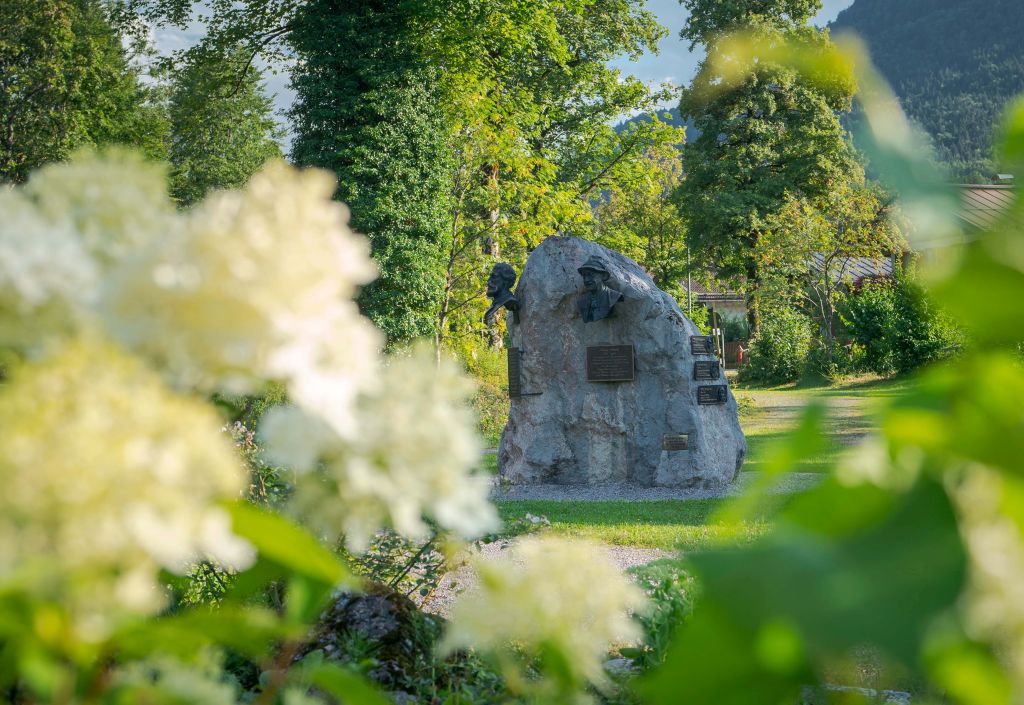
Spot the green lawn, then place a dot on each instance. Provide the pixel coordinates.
(773, 412)
(676, 524)
(690, 524)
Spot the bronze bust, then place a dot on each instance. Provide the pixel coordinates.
(599, 301)
(499, 291)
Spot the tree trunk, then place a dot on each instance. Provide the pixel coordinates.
(753, 284)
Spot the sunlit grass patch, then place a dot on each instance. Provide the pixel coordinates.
(671, 524)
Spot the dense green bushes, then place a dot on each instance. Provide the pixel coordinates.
(898, 327)
(779, 350)
(886, 327)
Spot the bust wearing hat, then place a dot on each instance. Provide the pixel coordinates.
(599, 301)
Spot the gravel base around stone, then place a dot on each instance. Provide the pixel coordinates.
(458, 581)
(788, 484)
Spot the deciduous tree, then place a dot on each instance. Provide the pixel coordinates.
(66, 82)
(766, 137)
(222, 127)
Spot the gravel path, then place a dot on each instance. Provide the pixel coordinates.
(788, 484)
(463, 579)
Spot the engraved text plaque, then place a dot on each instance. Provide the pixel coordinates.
(515, 377)
(712, 394)
(675, 441)
(610, 363)
(702, 345)
(706, 370)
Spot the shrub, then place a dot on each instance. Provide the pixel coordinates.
(779, 350)
(898, 326)
(488, 369)
(670, 590)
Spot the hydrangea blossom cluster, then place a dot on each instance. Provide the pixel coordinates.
(252, 285)
(44, 273)
(412, 455)
(995, 604)
(107, 478)
(554, 593)
(249, 286)
(114, 202)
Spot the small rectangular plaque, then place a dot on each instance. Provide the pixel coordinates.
(702, 345)
(610, 363)
(515, 377)
(706, 370)
(712, 394)
(675, 441)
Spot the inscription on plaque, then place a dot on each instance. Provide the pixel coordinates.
(712, 394)
(706, 370)
(675, 441)
(515, 377)
(610, 363)
(702, 345)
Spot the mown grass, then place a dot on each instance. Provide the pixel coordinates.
(769, 415)
(690, 525)
(687, 525)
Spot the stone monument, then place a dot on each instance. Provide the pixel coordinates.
(610, 382)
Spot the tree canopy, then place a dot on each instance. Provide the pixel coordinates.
(765, 138)
(222, 127)
(66, 82)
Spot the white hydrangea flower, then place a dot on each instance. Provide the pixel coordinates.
(550, 592)
(115, 200)
(107, 477)
(412, 456)
(45, 274)
(256, 284)
(995, 545)
(164, 680)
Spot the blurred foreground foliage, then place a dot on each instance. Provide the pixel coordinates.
(912, 549)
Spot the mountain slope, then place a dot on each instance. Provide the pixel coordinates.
(955, 64)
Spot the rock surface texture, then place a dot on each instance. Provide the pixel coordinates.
(567, 430)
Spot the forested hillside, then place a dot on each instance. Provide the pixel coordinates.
(670, 116)
(953, 63)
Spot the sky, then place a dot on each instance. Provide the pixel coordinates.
(674, 62)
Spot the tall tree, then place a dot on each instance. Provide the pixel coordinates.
(66, 82)
(809, 249)
(641, 221)
(369, 108)
(222, 127)
(766, 138)
(535, 143)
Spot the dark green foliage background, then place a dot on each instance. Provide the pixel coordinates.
(898, 327)
(371, 113)
(65, 83)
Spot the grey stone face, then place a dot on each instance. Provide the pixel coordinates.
(580, 432)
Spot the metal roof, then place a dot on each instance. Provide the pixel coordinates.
(982, 204)
(853, 269)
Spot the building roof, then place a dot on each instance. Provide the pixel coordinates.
(982, 204)
(710, 293)
(855, 268)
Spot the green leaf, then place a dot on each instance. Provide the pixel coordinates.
(284, 543)
(799, 600)
(347, 687)
(249, 631)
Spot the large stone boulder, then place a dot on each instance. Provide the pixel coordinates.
(565, 429)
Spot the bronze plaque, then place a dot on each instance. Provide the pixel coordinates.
(712, 394)
(706, 370)
(515, 377)
(702, 345)
(675, 441)
(610, 363)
